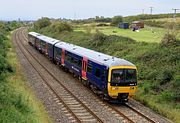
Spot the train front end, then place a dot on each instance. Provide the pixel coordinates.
(122, 82)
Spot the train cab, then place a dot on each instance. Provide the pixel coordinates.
(122, 82)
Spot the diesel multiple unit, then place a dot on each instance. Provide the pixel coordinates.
(108, 76)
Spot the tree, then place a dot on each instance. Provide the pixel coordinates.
(60, 26)
(116, 20)
(41, 23)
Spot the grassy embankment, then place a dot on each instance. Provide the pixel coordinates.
(18, 103)
(158, 64)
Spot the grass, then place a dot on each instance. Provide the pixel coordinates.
(148, 34)
(168, 109)
(18, 103)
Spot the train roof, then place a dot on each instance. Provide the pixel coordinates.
(95, 56)
(92, 55)
(48, 39)
(44, 38)
(34, 34)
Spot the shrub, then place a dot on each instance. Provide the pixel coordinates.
(168, 95)
(98, 38)
(176, 85)
(41, 23)
(116, 20)
(170, 38)
(167, 76)
(154, 23)
(59, 27)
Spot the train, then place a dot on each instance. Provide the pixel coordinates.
(110, 77)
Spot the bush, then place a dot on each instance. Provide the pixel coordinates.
(98, 38)
(170, 38)
(167, 95)
(41, 23)
(167, 76)
(61, 26)
(116, 20)
(154, 23)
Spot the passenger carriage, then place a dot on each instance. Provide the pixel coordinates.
(46, 45)
(32, 36)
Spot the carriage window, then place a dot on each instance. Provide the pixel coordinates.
(89, 68)
(43, 44)
(97, 72)
(57, 52)
(68, 58)
(104, 75)
(79, 63)
(75, 61)
(72, 60)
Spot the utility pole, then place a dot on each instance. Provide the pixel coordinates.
(74, 16)
(151, 9)
(175, 10)
(142, 11)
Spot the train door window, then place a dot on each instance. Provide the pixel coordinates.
(97, 72)
(59, 52)
(89, 68)
(50, 47)
(56, 52)
(85, 65)
(104, 75)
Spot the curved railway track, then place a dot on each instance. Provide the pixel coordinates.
(78, 109)
(115, 108)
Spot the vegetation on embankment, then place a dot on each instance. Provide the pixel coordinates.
(158, 64)
(17, 102)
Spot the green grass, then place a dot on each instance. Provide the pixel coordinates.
(18, 103)
(148, 34)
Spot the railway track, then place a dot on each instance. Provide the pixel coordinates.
(79, 111)
(116, 108)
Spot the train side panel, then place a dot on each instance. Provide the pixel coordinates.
(73, 62)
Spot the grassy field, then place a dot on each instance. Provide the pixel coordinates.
(147, 34)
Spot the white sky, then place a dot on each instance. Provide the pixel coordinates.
(76, 9)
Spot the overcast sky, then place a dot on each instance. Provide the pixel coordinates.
(77, 9)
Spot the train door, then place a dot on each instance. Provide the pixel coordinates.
(39, 44)
(62, 56)
(104, 79)
(84, 68)
(46, 49)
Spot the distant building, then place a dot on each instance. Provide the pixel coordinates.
(124, 25)
(137, 24)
